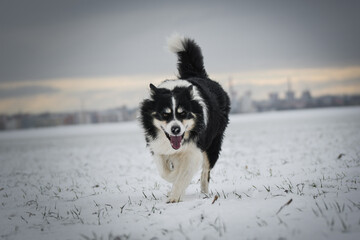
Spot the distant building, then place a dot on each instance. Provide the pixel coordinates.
(274, 101)
(289, 96)
(306, 95)
(306, 99)
(12, 123)
(233, 98)
(246, 103)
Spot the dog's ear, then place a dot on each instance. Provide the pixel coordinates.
(153, 89)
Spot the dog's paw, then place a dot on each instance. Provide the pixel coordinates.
(173, 200)
(204, 189)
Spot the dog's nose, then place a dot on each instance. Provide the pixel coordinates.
(175, 130)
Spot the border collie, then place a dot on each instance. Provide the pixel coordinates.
(184, 120)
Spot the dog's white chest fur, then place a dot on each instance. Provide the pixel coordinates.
(179, 167)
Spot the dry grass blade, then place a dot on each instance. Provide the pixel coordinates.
(284, 206)
(215, 198)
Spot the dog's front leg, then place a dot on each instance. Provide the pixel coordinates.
(181, 183)
(185, 170)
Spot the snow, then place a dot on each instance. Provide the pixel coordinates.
(99, 182)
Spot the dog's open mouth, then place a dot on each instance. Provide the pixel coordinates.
(175, 141)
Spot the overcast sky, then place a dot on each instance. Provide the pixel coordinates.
(46, 44)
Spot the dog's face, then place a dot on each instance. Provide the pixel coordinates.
(173, 115)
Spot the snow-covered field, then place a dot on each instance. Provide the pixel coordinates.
(281, 175)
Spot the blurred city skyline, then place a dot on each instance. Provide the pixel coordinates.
(59, 56)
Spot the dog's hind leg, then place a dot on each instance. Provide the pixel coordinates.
(211, 155)
(213, 151)
(205, 174)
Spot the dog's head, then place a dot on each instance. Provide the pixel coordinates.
(174, 112)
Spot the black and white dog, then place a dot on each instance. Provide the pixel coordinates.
(185, 119)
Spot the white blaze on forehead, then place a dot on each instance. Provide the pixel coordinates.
(173, 105)
(171, 84)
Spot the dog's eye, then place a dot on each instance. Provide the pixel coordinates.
(183, 114)
(165, 115)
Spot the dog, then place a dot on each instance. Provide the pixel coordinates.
(184, 120)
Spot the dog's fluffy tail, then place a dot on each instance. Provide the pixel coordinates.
(190, 59)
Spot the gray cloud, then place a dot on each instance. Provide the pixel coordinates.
(26, 91)
(53, 39)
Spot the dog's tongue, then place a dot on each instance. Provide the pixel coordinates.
(175, 142)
